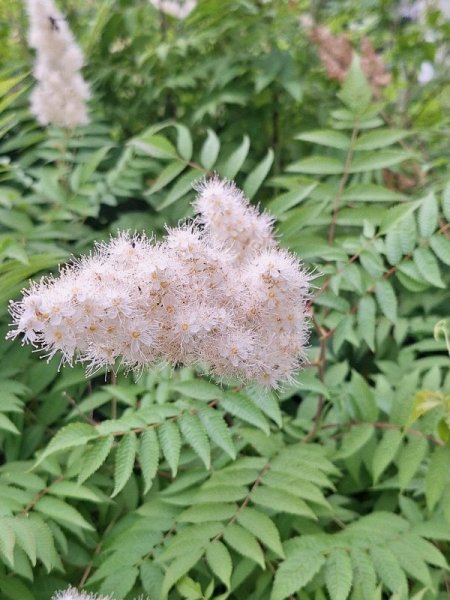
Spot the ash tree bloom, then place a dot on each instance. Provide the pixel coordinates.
(60, 94)
(219, 294)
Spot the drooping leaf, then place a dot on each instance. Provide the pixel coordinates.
(295, 572)
(326, 137)
(245, 543)
(210, 150)
(95, 456)
(386, 298)
(148, 455)
(195, 434)
(70, 436)
(437, 475)
(338, 574)
(217, 430)
(124, 461)
(236, 159)
(428, 266)
(219, 560)
(256, 177)
(61, 512)
(385, 452)
(366, 321)
(170, 442)
(262, 527)
(428, 216)
(410, 458)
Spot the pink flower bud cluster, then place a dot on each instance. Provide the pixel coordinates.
(61, 92)
(218, 294)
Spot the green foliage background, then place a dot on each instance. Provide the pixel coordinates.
(169, 485)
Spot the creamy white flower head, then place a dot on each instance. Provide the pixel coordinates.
(73, 594)
(180, 9)
(230, 219)
(61, 92)
(191, 299)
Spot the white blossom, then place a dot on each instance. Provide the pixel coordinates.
(229, 218)
(426, 73)
(204, 296)
(73, 594)
(60, 94)
(180, 9)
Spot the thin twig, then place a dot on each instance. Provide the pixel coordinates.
(73, 403)
(98, 547)
(39, 495)
(342, 184)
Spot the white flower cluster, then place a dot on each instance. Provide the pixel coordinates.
(73, 594)
(61, 92)
(180, 9)
(218, 294)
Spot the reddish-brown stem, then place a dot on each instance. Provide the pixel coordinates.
(39, 495)
(98, 547)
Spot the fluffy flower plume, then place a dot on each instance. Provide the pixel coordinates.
(73, 594)
(180, 9)
(61, 92)
(219, 294)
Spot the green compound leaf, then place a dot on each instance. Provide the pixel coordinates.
(356, 439)
(282, 501)
(436, 478)
(295, 572)
(326, 137)
(219, 561)
(70, 436)
(245, 543)
(124, 463)
(170, 441)
(427, 217)
(366, 321)
(441, 247)
(256, 177)
(95, 456)
(365, 578)
(217, 430)
(194, 433)
(62, 512)
(236, 159)
(338, 574)
(210, 150)
(262, 527)
(386, 298)
(179, 567)
(389, 570)
(380, 138)
(240, 406)
(410, 459)
(428, 267)
(148, 455)
(385, 452)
